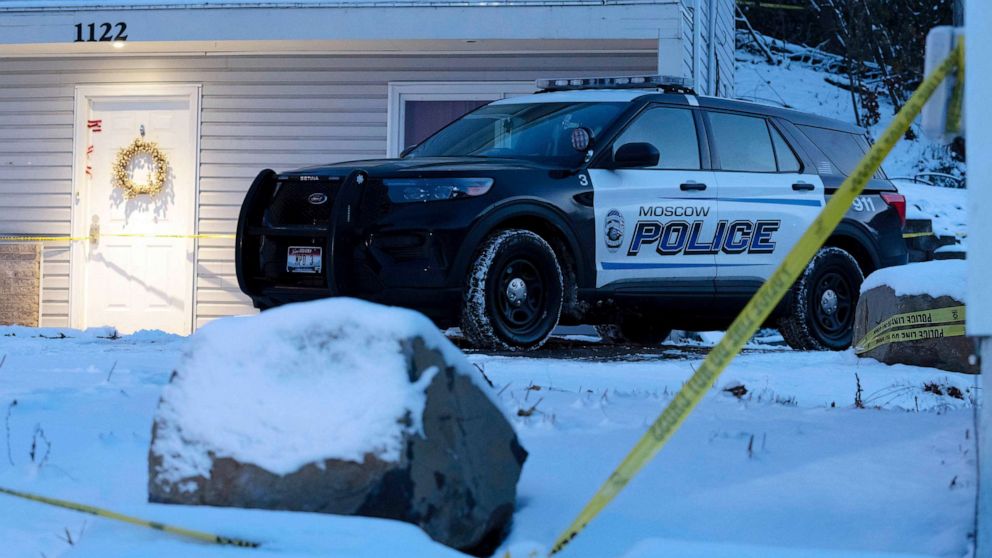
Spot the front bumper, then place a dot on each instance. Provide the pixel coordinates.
(368, 253)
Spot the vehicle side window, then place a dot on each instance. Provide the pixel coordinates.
(786, 157)
(742, 142)
(865, 143)
(843, 149)
(672, 131)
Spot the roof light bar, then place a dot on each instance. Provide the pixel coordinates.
(671, 84)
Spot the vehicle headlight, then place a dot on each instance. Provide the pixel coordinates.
(405, 190)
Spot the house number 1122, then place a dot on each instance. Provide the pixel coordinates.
(101, 32)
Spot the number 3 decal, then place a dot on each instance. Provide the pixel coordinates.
(583, 180)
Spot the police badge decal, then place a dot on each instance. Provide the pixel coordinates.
(614, 230)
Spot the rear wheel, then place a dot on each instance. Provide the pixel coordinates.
(634, 330)
(515, 293)
(821, 313)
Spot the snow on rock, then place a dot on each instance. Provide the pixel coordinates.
(337, 406)
(261, 390)
(936, 278)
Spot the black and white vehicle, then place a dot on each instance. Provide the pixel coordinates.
(629, 203)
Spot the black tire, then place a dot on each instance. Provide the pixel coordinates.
(514, 294)
(821, 310)
(634, 330)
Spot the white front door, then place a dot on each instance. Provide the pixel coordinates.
(136, 270)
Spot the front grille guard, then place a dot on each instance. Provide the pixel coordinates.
(344, 232)
(340, 235)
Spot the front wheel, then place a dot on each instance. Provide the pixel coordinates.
(821, 312)
(514, 294)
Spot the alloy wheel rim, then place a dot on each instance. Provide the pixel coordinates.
(520, 297)
(833, 302)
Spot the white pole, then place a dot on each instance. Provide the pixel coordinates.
(978, 131)
(983, 544)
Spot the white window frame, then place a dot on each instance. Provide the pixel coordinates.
(400, 92)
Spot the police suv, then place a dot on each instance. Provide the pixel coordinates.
(630, 203)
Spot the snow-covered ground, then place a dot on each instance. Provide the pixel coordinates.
(790, 465)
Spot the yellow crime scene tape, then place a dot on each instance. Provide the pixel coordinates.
(917, 234)
(99, 512)
(918, 333)
(25, 238)
(914, 326)
(760, 306)
(918, 318)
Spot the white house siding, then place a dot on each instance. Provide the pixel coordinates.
(258, 112)
(714, 21)
(724, 23)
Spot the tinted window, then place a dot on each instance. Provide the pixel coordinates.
(671, 131)
(538, 131)
(423, 118)
(787, 161)
(844, 150)
(742, 142)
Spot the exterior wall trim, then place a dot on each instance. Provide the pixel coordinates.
(339, 4)
(408, 22)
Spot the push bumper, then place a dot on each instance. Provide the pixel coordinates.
(364, 255)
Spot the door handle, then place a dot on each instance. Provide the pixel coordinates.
(95, 231)
(803, 187)
(692, 186)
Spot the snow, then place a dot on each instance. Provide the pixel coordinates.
(57, 332)
(654, 548)
(296, 385)
(936, 278)
(896, 477)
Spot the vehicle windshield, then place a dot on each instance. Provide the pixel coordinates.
(536, 131)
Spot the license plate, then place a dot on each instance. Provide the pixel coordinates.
(304, 259)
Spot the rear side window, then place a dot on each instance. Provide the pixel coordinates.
(786, 157)
(672, 131)
(742, 142)
(843, 149)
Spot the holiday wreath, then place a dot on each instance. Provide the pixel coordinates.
(125, 158)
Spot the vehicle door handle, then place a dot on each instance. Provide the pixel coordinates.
(692, 186)
(803, 187)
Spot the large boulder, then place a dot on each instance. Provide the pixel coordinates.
(338, 406)
(914, 314)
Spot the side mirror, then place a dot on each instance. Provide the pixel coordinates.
(636, 155)
(407, 151)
